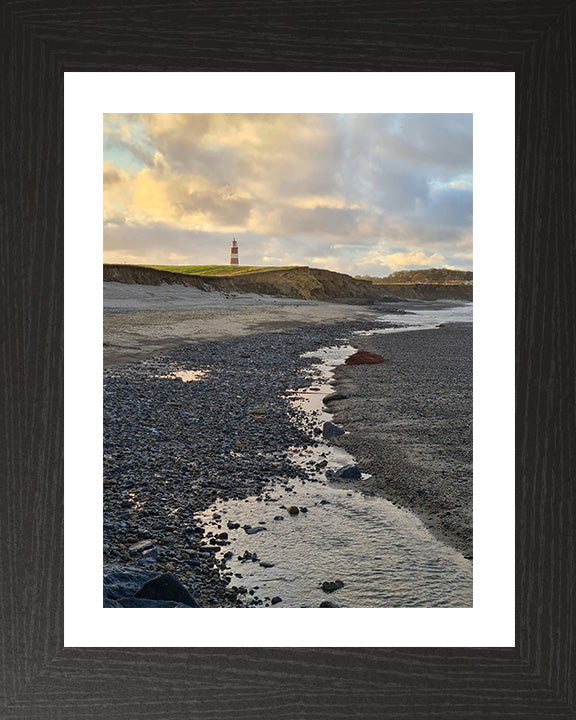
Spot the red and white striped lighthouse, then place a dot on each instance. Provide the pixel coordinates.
(234, 253)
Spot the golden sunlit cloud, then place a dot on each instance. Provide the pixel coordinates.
(413, 259)
(349, 191)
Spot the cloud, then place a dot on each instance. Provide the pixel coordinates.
(414, 259)
(451, 206)
(111, 176)
(350, 191)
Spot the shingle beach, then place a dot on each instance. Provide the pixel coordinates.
(172, 447)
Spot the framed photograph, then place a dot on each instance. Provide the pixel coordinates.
(204, 447)
(509, 651)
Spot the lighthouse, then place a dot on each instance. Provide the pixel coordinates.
(234, 253)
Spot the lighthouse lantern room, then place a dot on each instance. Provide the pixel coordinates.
(234, 253)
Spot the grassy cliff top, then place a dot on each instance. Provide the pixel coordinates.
(216, 269)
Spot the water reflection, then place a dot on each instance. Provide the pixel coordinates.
(384, 555)
(184, 375)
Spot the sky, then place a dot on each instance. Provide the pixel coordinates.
(360, 194)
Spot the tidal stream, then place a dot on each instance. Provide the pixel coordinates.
(382, 555)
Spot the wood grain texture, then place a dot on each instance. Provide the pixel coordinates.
(39, 41)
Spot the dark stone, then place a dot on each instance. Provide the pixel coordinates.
(335, 396)
(265, 564)
(193, 530)
(232, 525)
(166, 587)
(276, 600)
(349, 472)
(364, 358)
(329, 587)
(331, 430)
(111, 603)
(133, 602)
(142, 545)
(329, 604)
(122, 582)
(293, 510)
(279, 517)
(253, 530)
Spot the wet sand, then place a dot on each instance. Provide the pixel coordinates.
(410, 424)
(141, 321)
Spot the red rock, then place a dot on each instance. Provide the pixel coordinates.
(363, 358)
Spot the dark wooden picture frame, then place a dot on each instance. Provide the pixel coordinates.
(40, 40)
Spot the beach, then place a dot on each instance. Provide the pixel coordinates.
(410, 424)
(198, 410)
(141, 321)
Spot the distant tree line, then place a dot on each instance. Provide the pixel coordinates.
(434, 276)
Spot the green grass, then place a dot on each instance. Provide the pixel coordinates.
(216, 269)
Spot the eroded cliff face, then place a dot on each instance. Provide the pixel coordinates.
(138, 275)
(299, 283)
(421, 291)
(304, 283)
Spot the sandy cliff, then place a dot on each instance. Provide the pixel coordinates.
(300, 282)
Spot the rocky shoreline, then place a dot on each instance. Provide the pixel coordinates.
(410, 424)
(172, 447)
(226, 429)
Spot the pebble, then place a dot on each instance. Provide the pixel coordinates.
(329, 587)
(253, 530)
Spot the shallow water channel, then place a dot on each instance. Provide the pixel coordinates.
(383, 555)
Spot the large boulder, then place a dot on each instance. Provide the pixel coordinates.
(364, 358)
(120, 582)
(134, 602)
(166, 587)
(348, 472)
